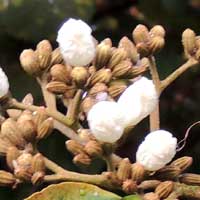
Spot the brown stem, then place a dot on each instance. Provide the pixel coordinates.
(49, 98)
(173, 76)
(51, 113)
(73, 107)
(155, 115)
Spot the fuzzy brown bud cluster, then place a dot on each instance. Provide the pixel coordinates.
(148, 41)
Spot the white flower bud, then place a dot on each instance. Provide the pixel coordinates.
(76, 42)
(106, 121)
(138, 101)
(4, 84)
(158, 149)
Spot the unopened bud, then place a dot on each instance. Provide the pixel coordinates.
(28, 99)
(157, 30)
(70, 92)
(117, 87)
(124, 169)
(74, 147)
(151, 196)
(56, 57)
(4, 145)
(118, 55)
(39, 116)
(14, 113)
(56, 87)
(23, 174)
(101, 76)
(168, 173)
(130, 48)
(12, 154)
(156, 44)
(6, 178)
(189, 42)
(164, 189)
(140, 34)
(148, 185)
(82, 160)
(190, 179)
(38, 164)
(24, 160)
(44, 50)
(10, 130)
(129, 186)
(79, 76)
(107, 41)
(60, 73)
(183, 163)
(122, 69)
(45, 129)
(30, 62)
(143, 49)
(85, 135)
(137, 172)
(103, 54)
(27, 129)
(93, 148)
(97, 88)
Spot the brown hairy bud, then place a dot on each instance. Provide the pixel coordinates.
(30, 62)
(157, 30)
(10, 130)
(101, 76)
(82, 159)
(118, 55)
(79, 76)
(117, 87)
(143, 49)
(140, 34)
(122, 69)
(93, 148)
(168, 173)
(38, 164)
(183, 163)
(45, 128)
(27, 129)
(129, 186)
(39, 116)
(44, 50)
(97, 88)
(137, 172)
(107, 41)
(37, 178)
(4, 145)
(124, 169)
(189, 42)
(103, 54)
(112, 177)
(14, 113)
(74, 147)
(25, 116)
(156, 44)
(148, 185)
(23, 174)
(60, 73)
(56, 57)
(130, 48)
(25, 160)
(164, 189)
(12, 154)
(151, 196)
(56, 87)
(190, 179)
(6, 178)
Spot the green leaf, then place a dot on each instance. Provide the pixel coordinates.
(73, 191)
(132, 197)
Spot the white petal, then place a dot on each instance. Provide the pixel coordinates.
(106, 121)
(4, 84)
(158, 149)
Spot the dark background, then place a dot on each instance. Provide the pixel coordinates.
(23, 23)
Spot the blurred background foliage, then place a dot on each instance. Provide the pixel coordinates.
(23, 23)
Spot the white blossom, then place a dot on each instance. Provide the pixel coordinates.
(4, 84)
(76, 42)
(106, 121)
(158, 149)
(138, 101)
